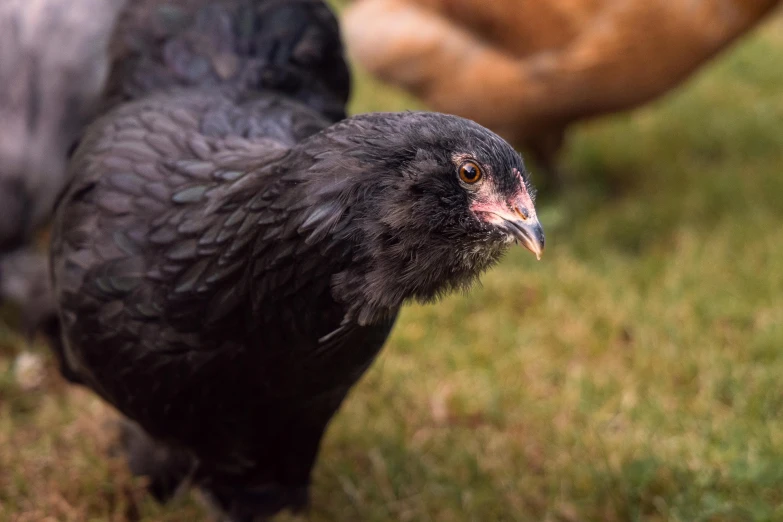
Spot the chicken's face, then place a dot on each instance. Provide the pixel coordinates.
(500, 200)
(470, 188)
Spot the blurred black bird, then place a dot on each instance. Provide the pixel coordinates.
(229, 259)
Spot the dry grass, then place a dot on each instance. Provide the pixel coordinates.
(631, 375)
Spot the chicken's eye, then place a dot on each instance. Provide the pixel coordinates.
(470, 173)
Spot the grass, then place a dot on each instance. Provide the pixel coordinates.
(631, 375)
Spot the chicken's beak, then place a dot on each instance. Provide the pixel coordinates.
(526, 231)
(515, 216)
(518, 219)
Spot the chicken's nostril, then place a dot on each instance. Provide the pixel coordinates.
(521, 212)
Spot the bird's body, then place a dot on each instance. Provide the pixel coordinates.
(194, 263)
(227, 263)
(528, 69)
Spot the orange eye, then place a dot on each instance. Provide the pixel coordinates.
(470, 173)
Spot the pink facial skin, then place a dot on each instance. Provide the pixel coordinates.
(494, 208)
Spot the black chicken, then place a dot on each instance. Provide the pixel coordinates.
(228, 262)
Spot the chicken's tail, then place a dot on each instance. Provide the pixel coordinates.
(292, 46)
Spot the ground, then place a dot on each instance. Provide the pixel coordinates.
(633, 374)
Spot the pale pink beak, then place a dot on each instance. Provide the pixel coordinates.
(523, 226)
(517, 218)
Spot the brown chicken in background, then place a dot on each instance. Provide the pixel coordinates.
(529, 68)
